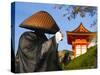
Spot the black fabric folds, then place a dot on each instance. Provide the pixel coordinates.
(36, 53)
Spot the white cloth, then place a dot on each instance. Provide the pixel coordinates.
(58, 36)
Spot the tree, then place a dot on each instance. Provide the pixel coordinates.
(72, 11)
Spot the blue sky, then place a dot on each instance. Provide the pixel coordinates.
(24, 10)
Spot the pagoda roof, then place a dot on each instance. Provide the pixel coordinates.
(80, 33)
(80, 28)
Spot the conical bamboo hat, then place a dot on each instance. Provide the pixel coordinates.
(41, 21)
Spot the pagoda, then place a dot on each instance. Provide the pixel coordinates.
(80, 39)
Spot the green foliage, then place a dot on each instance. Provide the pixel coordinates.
(85, 61)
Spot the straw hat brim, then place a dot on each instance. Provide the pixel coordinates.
(41, 21)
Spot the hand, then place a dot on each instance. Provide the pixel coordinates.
(58, 36)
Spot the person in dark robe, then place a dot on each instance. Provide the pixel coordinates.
(36, 53)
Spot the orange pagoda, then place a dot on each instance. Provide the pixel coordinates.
(80, 39)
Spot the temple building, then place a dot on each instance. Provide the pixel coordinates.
(80, 39)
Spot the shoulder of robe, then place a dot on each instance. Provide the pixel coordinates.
(27, 39)
(29, 35)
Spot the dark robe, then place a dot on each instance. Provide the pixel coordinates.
(36, 53)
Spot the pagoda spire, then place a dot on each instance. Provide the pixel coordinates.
(81, 28)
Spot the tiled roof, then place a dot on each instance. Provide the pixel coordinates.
(81, 28)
